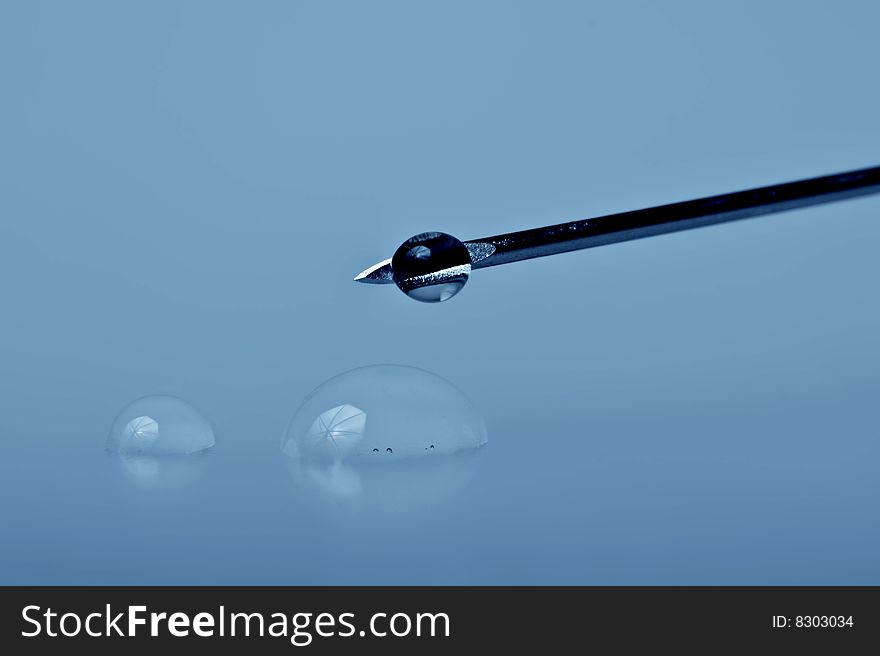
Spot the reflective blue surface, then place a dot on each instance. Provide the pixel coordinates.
(188, 188)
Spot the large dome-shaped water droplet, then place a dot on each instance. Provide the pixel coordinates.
(391, 435)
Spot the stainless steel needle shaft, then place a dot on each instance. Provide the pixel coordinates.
(434, 266)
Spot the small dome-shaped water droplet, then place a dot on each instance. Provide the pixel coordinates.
(160, 425)
(426, 430)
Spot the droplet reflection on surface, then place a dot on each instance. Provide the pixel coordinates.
(162, 472)
(387, 435)
(160, 441)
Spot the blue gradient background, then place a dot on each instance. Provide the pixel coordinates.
(187, 189)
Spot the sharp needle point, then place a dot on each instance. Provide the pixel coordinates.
(378, 274)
